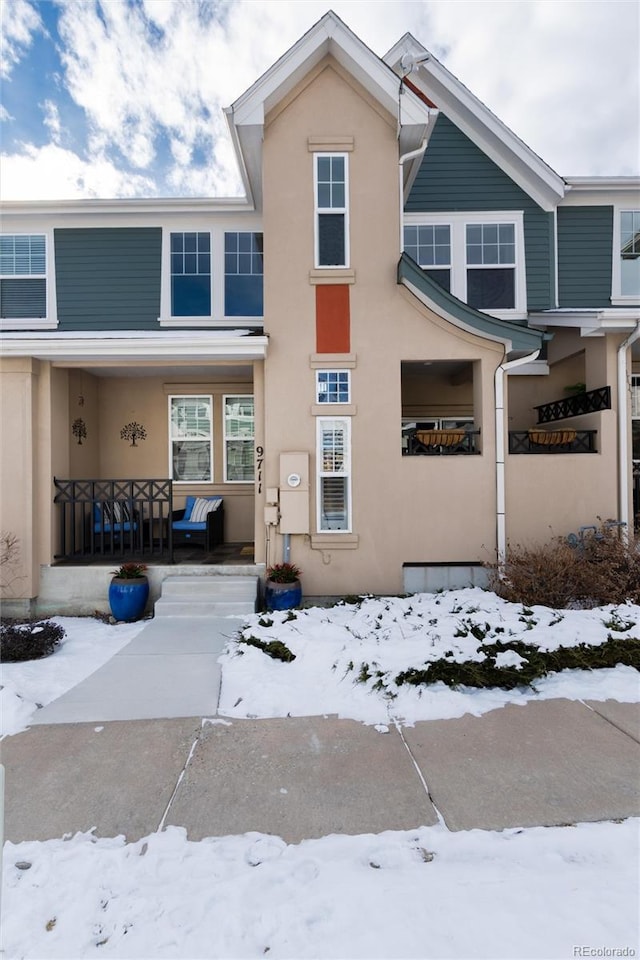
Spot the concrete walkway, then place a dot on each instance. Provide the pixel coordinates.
(138, 746)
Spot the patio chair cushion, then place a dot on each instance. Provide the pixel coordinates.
(201, 507)
(118, 514)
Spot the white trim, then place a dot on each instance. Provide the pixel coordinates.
(50, 322)
(346, 473)
(617, 297)
(171, 438)
(458, 222)
(135, 345)
(225, 438)
(319, 211)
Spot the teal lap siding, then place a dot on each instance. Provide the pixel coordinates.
(585, 250)
(108, 278)
(456, 176)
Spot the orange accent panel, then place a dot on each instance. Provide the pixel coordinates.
(333, 328)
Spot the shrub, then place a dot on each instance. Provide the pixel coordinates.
(275, 649)
(602, 569)
(130, 571)
(283, 573)
(30, 641)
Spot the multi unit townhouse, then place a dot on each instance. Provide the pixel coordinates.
(410, 344)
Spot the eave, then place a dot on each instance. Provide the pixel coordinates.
(517, 340)
(596, 322)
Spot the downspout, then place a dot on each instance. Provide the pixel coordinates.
(501, 519)
(401, 162)
(623, 432)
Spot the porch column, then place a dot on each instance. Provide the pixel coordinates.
(260, 500)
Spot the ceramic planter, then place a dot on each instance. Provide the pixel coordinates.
(282, 596)
(128, 598)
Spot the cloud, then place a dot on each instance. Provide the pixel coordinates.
(19, 22)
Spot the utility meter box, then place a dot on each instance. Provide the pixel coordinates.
(294, 493)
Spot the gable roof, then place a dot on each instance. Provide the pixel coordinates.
(328, 37)
(471, 116)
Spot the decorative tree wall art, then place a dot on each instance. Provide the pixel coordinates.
(133, 431)
(79, 430)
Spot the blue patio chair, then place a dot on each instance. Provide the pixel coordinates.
(114, 518)
(201, 521)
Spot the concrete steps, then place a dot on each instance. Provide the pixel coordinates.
(207, 596)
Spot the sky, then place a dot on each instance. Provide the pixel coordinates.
(124, 98)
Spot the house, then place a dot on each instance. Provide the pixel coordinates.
(410, 344)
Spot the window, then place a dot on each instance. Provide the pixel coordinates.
(190, 439)
(333, 474)
(243, 275)
(478, 257)
(331, 202)
(491, 264)
(23, 277)
(190, 274)
(629, 253)
(238, 439)
(430, 246)
(333, 386)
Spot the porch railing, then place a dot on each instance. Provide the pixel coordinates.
(552, 441)
(114, 518)
(439, 443)
(590, 401)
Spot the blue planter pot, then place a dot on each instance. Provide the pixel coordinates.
(128, 598)
(282, 596)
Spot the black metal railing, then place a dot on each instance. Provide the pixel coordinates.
(114, 518)
(591, 401)
(440, 443)
(552, 441)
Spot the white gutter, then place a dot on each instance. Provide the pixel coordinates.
(401, 162)
(623, 432)
(501, 519)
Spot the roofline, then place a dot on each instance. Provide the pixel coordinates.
(602, 183)
(516, 339)
(134, 346)
(128, 205)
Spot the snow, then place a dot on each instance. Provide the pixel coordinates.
(426, 893)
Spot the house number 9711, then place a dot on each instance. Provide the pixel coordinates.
(259, 462)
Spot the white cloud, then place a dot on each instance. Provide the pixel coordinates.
(19, 21)
(52, 120)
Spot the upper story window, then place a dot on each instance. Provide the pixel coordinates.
(629, 246)
(191, 439)
(23, 277)
(238, 439)
(190, 274)
(478, 257)
(430, 246)
(331, 209)
(333, 386)
(243, 274)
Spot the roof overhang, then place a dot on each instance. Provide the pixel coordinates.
(518, 341)
(475, 120)
(590, 323)
(329, 37)
(133, 346)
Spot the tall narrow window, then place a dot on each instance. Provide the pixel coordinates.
(491, 265)
(630, 253)
(334, 512)
(243, 275)
(191, 274)
(238, 439)
(23, 283)
(190, 439)
(331, 199)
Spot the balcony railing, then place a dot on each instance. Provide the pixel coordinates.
(552, 441)
(114, 518)
(440, 443)
(592, 401)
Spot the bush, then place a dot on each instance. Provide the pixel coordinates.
(275, 649)
(603, 568)
(30, 641)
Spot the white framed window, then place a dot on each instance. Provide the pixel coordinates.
(239, 420)
(190, 272)
(331, 194)
(626, 256)
(333, 386)
(334, 474)
(191, 439)
(27, 295)
(486, 266)
(243, 274)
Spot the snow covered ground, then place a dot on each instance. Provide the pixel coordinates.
(531, 893)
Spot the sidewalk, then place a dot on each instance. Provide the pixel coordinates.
(138, 746)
